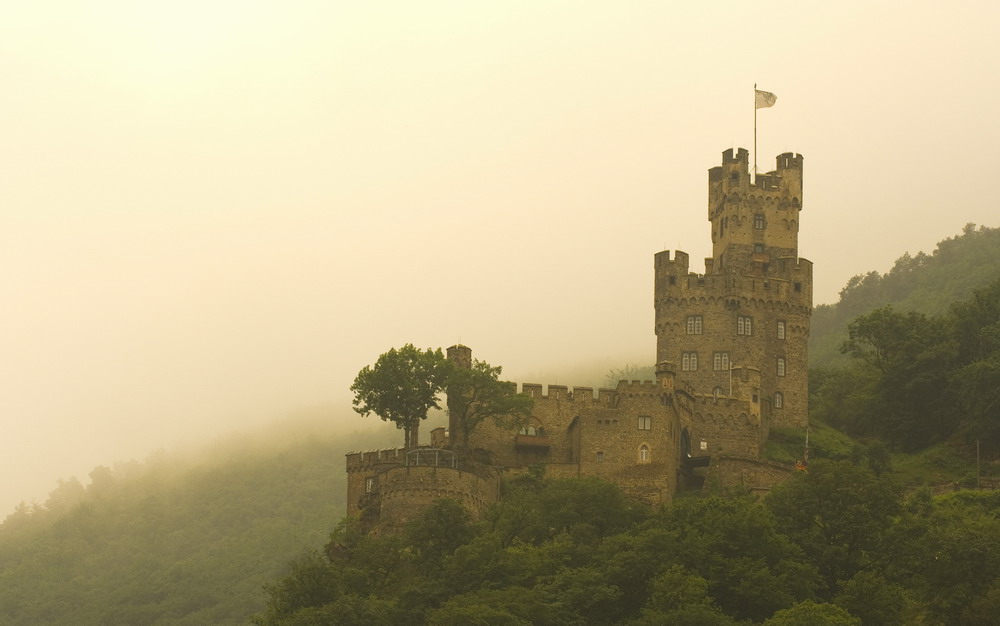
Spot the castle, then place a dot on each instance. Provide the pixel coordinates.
(731, 354)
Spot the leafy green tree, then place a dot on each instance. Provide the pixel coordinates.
(438, 531)
(476, 394)
(813, 614)
(734, 543)
(839, 513)
(913, 356)
(679, 597)
(872, 598)
(401, 387)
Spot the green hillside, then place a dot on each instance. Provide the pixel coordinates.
(839, 545)
(181, 539)
(929, 284)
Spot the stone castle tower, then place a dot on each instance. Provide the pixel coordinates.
(750, 310)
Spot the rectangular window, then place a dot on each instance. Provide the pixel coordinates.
(781, 366)
(779, 400)
(694, 325)
(600, 457)
(720, 361)
(645, 422)
(758, 248)
(744, 325)
(369, 485)
(758, 221)
(781, 329)
(689, 361)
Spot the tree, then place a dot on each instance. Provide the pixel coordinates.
(838, 513)
(814, 614)
(476, 394)
(401, 387)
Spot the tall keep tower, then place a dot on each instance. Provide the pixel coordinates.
(751, 307)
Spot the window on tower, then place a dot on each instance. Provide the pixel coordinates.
(689, 361)
(694, 325)
(720, 361)
(781, 329)
(758, 221)
(645, 422)
(779, 399)
(744, 325)
(781, 366)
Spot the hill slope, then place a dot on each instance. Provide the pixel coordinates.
(928, 284)
(177, 541)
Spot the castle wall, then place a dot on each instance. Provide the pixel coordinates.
(628, 436)
(406, 491)
(754, 475)
(365, 466)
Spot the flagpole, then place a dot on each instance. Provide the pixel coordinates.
(754, 132)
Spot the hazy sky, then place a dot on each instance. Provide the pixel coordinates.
(212, 213)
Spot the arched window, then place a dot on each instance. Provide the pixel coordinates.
(779, 399)
(644, 453)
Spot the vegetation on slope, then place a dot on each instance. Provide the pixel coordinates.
(176, 540)
(837, 545)
(928, 284)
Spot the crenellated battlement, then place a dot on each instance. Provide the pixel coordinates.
(787, 282)
(369, 460)
(562, 393)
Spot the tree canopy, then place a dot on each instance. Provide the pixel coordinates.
(476, 394)
(401, 387)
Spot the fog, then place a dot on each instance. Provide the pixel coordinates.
(213, 213)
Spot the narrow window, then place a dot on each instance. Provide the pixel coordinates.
(781, 366)
(369, 484)
(758, 221)
(600, 457)
(779, 399)
(781, 329)
(689, 361)
(644, 454)
(720, 361)
(694, 325)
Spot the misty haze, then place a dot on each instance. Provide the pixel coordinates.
(214, 215)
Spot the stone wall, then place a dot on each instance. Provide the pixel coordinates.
(754, 475)
(405, 491)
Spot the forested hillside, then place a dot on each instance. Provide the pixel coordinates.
(925, 283)
(180, 539)
(839, 545)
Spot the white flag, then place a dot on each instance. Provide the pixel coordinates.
(764, 99)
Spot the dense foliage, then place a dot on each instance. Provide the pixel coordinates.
(837, 545)
(917, 380)
(928, 283)
(401, 387)
(176, 540)
(404, 385)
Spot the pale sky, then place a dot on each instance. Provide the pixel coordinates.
(213, 213)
